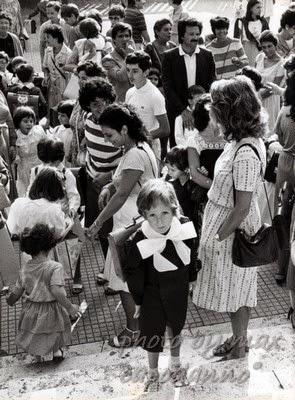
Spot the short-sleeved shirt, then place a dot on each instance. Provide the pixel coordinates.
(285, 127)
(135, 18)
(139, 158)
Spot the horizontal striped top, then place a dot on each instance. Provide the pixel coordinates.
(223, 57)
(135, 18)
(100, 156)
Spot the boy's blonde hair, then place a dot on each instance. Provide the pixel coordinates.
(154, 191)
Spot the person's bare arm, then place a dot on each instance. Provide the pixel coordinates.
(164, 128)
(146, 36)
(194, 165)
(60, 296)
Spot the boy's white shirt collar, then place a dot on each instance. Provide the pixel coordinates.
(156, 243)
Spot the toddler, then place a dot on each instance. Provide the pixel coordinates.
(44, 326)
(158, 272)
(28, 136)
(183, 134)
(63, 132)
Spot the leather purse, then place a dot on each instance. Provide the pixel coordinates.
(259, 249)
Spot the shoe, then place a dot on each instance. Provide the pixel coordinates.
(238, 349)
(291, 317)
(152, 384)
(77, 288)
(226, 347)
(100, 280)
(280, 278)
(58, 358)
(126, 338)
(110, 292)
(178, 377)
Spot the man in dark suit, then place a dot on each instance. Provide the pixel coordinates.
(186, 65)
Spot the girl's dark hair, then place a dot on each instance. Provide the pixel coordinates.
(290, 96)
(250, 4)
(66, 107)
(24, 72)
(38, 239)
(55, 151)
(96, 88)
(200, 113)
(21, 113)
(253, 74)
(89, 28)
(47, 185)
(116, 116)
(268, 36)
(178, 156)
(219, 23)
(91, 69)
(237, 108)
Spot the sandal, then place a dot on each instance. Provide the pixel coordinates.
(152, 384)
(126, 338)
(291, 317)
(178, 377)
(58, 358)
(110, 292)
(77, 288)
(227, 346)
(280, 278)
(238, 349)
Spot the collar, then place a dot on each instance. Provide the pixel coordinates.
(156, 243)
(28, 85)
(183, 53)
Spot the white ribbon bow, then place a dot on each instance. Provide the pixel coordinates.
(156, 243)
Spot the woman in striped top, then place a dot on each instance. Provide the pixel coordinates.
(229, 55)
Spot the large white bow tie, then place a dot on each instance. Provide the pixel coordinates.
(156, 243)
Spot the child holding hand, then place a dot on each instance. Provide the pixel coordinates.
(158, 272)
(44, 326)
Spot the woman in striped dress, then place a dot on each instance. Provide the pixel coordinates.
(222, 286)
(228, 53)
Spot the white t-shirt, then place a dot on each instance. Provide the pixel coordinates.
(148, 102)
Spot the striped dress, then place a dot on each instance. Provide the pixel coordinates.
(100, 156)
(223, 57)
(222, 286)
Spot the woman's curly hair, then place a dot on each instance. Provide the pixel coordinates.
(237, 108)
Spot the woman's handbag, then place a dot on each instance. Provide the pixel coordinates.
(72, 88)
(119, 244)
(259, 249)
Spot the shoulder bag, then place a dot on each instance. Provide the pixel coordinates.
(259, 249)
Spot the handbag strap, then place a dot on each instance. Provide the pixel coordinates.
(261, 174)
(154, 173)
(58, 69)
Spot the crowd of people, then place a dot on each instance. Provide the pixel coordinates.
(115, 127)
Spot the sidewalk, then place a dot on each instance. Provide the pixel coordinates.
(96, 371)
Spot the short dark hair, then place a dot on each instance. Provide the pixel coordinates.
(38, 239)
(25, 72)
(287, 18)
(92, 69)
(55, 151)
(4, 56)
(187, 22)
(178, 156)
(56, 32)
(117, 10)
(53, 4)
(21, 113)
(141, 58)
(5, 15)
(194, 90)
(89, 28)
(47, 185)
(177, 2)
(200, 113)
(67, 10)
(42, 152)
(14, 62)
(219, 23)
(253, 74)
(159, 25)
(96, 87)
(66, 107)
(117, 115)
(120, 27)
(95, 14)
(268, 36)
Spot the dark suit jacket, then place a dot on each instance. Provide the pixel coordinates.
(175, 78)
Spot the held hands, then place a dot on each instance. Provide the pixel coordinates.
(92, 231)
(75, 311)
(137, 311)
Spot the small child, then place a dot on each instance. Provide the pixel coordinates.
(189, 194)
(4, 73)
(155, 77)
(25, 85)
(12, 66)
(63, 132)
(158, 272)
(183, 134)
(28, 135)
(44, 325)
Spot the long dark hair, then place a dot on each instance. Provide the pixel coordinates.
(47, 185)
(290, 96)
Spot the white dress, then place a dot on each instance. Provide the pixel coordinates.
(221, 286)
(139, 160)
(271, 104)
